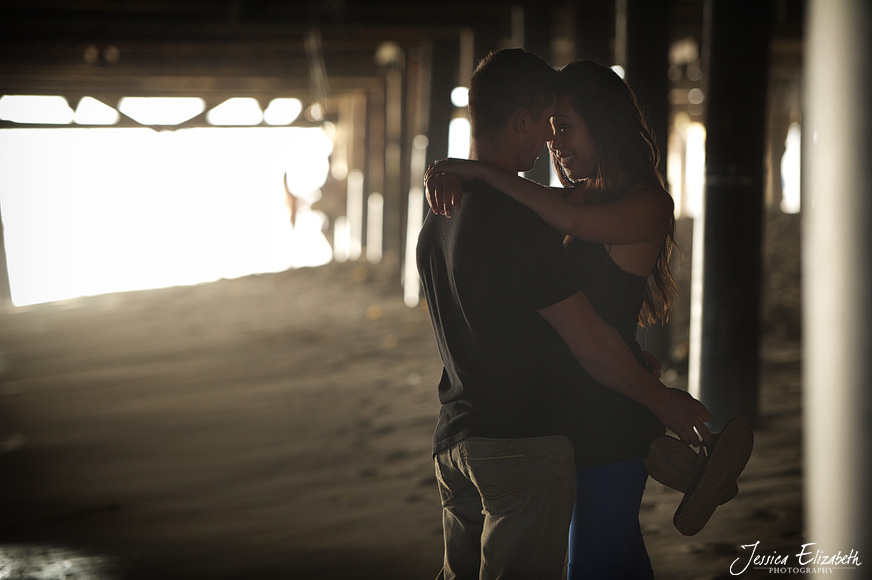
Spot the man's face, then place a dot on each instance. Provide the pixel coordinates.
(539, 134)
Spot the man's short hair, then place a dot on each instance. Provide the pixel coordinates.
(504, 82)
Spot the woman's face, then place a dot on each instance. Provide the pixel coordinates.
(573, 145)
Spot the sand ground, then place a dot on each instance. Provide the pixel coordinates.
(278, 426)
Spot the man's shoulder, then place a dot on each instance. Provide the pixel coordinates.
(489, 219)
(500, 206)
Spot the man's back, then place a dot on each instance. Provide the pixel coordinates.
(486, 272)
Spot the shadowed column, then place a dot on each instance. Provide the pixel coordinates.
(728, 358)
(595, 28)
(444, 57)
(537, 39)
(647, 59)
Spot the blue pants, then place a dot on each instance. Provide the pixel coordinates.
(605, 538)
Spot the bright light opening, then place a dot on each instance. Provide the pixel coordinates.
(791, 171)
(685, 165)
(375, 205)
(90, 111)
(97, 210)
(411, 281)
(458, 138)
(35, 109)
(460, 97)
(414, 220)
(308, 164)
(694, 168)
(341, 239)
(161, 110)
(675, 162)
(282, 111)
(354, 213)
(619, 70)
(236, 111)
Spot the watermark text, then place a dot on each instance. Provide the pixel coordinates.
(808, 560)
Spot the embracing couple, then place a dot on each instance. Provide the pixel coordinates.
(552, 417)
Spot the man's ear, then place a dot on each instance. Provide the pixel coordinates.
(521, 121)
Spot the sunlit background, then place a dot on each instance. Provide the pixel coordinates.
(95, 210)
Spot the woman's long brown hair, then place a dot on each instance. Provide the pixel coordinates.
(627, 155)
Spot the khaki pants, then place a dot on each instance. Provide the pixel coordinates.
(506, 507)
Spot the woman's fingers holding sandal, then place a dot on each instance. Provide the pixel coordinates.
(705, 433)
(685, 436)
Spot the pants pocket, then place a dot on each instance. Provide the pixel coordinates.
(498, 475)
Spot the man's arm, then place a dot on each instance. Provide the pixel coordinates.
(605, 356)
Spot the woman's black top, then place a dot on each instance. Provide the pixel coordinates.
(612, 427)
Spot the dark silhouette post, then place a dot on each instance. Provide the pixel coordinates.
(444, 59)
(733, 208)
(395, 205)
(837, 262)
(537, 39)
(647, 60)
(374, 150)
(595, 28)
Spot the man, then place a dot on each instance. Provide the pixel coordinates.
(505, 320)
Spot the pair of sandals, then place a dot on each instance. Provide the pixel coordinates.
(708, 478)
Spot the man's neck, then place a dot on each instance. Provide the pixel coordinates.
(490, 152)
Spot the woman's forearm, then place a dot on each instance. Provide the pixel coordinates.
(640, 215)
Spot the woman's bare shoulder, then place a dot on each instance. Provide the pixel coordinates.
(654, 195)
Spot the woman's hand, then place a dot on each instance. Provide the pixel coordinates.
(443, 178)
(683, 415)
(443, 190)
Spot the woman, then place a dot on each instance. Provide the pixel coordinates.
(618, 218)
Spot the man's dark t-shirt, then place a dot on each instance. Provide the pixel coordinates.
(486, 271)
